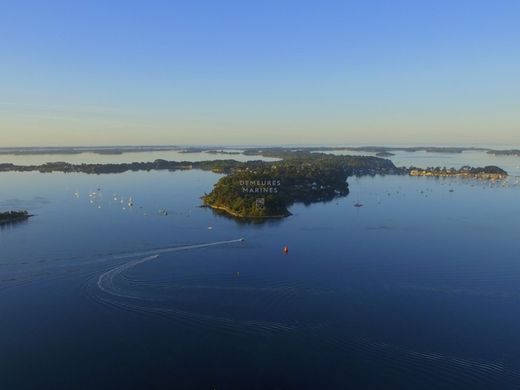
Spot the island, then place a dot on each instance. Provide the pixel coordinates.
(268, 189)
(13, 216)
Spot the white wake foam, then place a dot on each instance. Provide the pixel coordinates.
(106, 280)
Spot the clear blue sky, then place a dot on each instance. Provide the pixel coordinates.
(246, 72)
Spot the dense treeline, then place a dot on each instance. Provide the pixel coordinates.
(223, 166)
(361, 165)
(12, 216)
(490, 172)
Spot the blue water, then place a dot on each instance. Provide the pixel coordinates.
(126, 157)
(417, 289)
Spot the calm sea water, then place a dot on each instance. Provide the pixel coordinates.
(127, 157)
(418, 289)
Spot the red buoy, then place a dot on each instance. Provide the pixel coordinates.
(286, 249)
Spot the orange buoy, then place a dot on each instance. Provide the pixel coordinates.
(286, 249)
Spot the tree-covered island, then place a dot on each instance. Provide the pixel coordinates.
(268, 189)
(13, 216)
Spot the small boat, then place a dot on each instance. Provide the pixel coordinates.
(286, 249)
(358, 205)
(242, 239)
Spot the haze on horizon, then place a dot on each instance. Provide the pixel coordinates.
(233, 72)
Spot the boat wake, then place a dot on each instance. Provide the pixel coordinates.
(133, 301)
(106, 280)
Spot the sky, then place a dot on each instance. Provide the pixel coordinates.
(241, 72)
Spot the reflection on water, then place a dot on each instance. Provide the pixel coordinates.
(11, 224)
(419, 288)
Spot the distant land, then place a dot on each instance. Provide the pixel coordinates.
(486, 173)
(85, 149)
(511, 152)
(385, 151)
(265, 189)
(358, 164)
(13, 216)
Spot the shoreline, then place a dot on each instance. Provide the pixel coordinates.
(236, 215)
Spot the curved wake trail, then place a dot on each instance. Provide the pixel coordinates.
(106, 280)
(106, 283)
